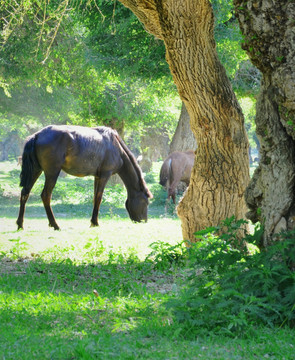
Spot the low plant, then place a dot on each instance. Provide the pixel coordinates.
(94, 249)
(17, 249)
(159, 195)
(114, 195)
(150, 178)
(164, 255)
(229, 290)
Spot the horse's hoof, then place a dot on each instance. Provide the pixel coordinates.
(55, 226)
(93, 225)
(19, 226)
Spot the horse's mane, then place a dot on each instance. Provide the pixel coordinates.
(135, 165)
(113, 133)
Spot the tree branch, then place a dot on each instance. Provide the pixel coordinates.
(147, 13)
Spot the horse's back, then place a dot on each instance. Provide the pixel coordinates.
(181, 165)
(190, 157)
(78, 150)
(189, 163)
(64, 134)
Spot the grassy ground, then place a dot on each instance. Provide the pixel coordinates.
(90, 293)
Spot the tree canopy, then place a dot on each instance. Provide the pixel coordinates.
(92, 62)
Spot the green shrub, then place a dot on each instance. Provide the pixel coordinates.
(229, 290)
(114, 195)
(159, 195)
(164, 255)
(150, 178)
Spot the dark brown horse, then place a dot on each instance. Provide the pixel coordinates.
(177, 167)
(81, 151)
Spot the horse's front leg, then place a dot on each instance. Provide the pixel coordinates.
(99, 185)
(50, 181)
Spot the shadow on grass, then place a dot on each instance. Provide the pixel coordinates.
(49, 310)
(53, 308)
(9, 207)
(120, 274)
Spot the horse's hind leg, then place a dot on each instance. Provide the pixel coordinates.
(24, 197)
(50, 181)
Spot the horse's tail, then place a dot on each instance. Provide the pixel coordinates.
(30, 163)
(170, 173)
(131, 157)
(165, 172)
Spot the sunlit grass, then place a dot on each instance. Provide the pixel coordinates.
(119, 235)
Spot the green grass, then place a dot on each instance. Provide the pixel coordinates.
(90, 293)
(49, 311)
(117, 234)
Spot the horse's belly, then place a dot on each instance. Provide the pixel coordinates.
(79, 168)
(76, 173)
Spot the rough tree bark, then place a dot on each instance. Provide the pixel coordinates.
(221, 171)
(269, 30)
(183, 138)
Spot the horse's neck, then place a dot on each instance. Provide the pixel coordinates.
(129, 176)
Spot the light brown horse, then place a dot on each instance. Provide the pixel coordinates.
(177, 167)
(81, 151)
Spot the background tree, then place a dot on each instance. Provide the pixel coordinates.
(268, 28)
(183, 138)
(221, 171)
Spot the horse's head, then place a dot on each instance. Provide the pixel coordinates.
(137, 207)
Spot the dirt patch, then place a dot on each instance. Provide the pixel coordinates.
(161, 283)
(15, 267)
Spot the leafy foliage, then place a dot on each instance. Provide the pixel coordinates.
(164, 255)
(230, 290)
(117, 41)
(85, 63)
(244, 76)
(91, 62)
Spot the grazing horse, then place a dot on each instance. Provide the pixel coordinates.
(177, 167)
(81, 151)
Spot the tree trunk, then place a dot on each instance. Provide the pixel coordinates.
(183, 138)
(269, 30)
(221, 171)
